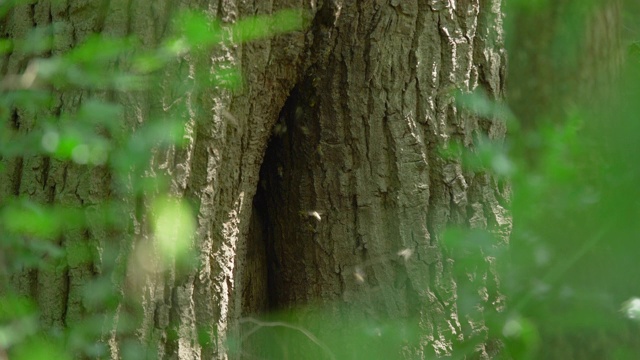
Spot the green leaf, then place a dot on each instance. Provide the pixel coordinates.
(13, 307)
(197, 29)
(6, 46)
(260, 27)
(29, 218)
(40, 348)
(97, 49)
(174, 227)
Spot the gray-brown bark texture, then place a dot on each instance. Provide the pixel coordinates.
(363, 99)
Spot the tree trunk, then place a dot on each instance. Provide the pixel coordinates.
(569, 62)
(351, 197)
(357, 182)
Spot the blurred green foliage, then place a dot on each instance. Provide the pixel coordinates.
(570, 274)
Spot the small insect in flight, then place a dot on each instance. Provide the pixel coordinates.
(314, 214)
(358, 274)
(405, 253)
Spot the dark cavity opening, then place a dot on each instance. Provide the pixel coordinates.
(274, 261)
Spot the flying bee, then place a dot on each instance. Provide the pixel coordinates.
(405, 253)
(358, 274)
(313, 213)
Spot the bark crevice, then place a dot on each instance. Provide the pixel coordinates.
(276, 218)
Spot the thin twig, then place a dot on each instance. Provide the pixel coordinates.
(259, 324)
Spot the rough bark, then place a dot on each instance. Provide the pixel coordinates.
(357, 178)
(366, 93)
